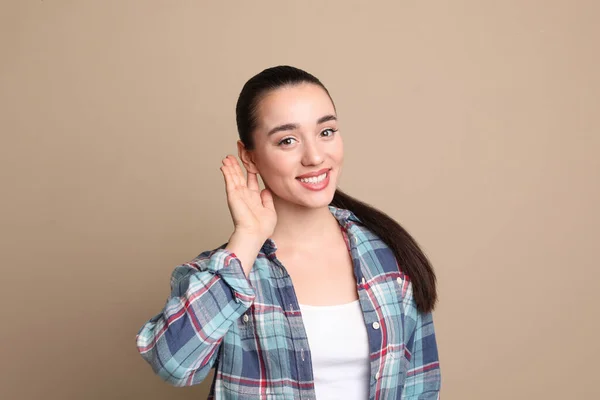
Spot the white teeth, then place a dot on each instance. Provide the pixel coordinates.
(314, 179)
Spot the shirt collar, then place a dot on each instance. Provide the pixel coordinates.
(343, 215)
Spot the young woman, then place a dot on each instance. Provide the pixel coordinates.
(316, 294)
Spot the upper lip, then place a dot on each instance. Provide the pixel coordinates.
(316, 173)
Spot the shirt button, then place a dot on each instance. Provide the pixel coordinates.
(246, 318)
(363, 280)
(399, 280)
(377, 375)
(375, 325)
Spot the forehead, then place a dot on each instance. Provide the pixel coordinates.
(301, 104)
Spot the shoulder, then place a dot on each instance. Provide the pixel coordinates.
(373, 251)
(379, 259)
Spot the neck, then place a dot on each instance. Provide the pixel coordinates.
(303, 227)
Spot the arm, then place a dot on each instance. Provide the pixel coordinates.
(423, 379)
(207, 295)
(210, 293)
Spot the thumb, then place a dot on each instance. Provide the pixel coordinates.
(267, 199)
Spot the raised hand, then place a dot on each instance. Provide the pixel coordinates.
(251, 209)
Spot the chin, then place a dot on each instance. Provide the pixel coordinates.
(315, 200)
(316, 205)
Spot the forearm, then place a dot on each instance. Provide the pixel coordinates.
(181, 343)
(423, 379)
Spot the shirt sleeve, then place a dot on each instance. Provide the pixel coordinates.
(423, 379)
(210, 293)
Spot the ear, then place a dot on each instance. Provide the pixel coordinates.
(247, 157)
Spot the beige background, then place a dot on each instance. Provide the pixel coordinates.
(474, 123)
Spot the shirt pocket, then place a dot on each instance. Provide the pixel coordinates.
(245, 325)
(228, 391)
(400, 285)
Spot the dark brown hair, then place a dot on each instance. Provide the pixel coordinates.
(410, 257)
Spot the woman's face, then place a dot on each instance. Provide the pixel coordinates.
(298, 149)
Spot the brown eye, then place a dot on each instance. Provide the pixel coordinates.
(330, 132)
(286, 141)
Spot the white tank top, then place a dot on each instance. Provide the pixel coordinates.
(339, 347)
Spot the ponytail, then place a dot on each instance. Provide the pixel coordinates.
(411, 259)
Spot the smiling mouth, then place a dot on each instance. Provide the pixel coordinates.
(314, 179)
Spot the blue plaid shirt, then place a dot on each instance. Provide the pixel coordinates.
(250, 328)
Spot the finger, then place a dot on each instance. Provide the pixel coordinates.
(238, 171)
(252, 181)
(267, 199)
(230, 166)
(229, 185)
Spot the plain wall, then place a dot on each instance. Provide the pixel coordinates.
(473, 123)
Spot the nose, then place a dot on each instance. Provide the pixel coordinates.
(313, 154)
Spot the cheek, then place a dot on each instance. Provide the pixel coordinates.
(275, 166)
(337, 152)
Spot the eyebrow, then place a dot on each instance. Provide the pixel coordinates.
(291, 127)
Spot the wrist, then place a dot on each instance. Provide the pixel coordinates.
(246, 248)
(246, 240)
